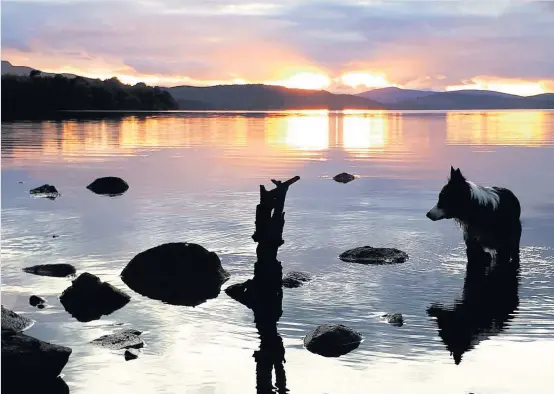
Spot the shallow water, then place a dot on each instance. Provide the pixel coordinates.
(195, 177)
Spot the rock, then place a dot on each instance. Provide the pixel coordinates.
(14, 322)
(131, 354)
(295, 279)
(41, 306)
(394, 319)
(24, 385)
(344, 177)
(332, 340)
(36, 300)
(125, 339)
(177, 273)
(110, 185)
(57, 270)
(55, 236)
(88, 298)
(48, 191)
(369, 255)
(239, 292)
(29, 358)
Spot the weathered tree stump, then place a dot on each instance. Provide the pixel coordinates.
(264, 292)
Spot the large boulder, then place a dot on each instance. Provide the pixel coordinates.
(177, 273)
(126, 339)
(295, 279)
(57, 270)
(46, 190)
(344, 177)
(332, 340)
(24, 385)
(110, 186)
(26, 357)
(88, 298)
(14, 322)
(369, 255)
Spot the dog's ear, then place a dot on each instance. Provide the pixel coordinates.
(456, 174)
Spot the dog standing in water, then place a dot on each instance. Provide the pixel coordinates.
(489, 216)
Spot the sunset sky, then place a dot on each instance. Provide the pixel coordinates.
(337, 45)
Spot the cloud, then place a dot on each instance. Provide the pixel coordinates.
(415, 43)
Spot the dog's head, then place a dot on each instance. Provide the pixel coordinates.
(452, 197)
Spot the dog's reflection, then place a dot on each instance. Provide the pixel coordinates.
(489, 300)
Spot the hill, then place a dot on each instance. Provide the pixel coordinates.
(265, 97)
(459, 100)
(392, 95)
(26, 97)
(24, 71)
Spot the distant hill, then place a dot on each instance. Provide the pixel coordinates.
(406, 99)
(392, 95)
(265, 97)
(464, 100)
(24, 71)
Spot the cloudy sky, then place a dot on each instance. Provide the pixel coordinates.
(339, 45)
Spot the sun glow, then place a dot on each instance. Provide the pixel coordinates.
(364, 79)
(518, 87)
(305, 80)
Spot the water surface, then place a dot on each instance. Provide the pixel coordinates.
(195, 177)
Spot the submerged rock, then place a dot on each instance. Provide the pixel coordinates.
(14, 322)
(344, 177)
(125, 339)
(369, 255)
(177, 273)
(36, 301)
(131, 354)
(295, 279)
(25, 357)
(88, 298)
(332, 340)
(57, 270)
(48, 191)
(395, 319)
(110, 185)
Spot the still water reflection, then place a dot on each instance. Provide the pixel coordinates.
(195, 176)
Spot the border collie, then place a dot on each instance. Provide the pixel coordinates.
(489, 216)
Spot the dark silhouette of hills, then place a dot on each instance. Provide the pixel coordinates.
(25, 96)
(406, 99)
(37, 96)
(392, 95)
(265, 97)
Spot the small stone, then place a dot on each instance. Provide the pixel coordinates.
(332, 340)
(125, 339)
(394, 319)
(48, 191)
(57, 270)
(369, 255)
(110, 185)
(294, 279)
(88, 298)
(131, 354)
(55, 236)
(36, 301)
(344, 177)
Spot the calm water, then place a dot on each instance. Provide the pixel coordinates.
(195, 177)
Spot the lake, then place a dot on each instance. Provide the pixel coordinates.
(195, 177)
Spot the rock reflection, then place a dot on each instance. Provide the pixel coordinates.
(489, 300)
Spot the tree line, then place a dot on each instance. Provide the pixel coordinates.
(36, 96)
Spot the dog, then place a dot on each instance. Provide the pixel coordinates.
(488, 216)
